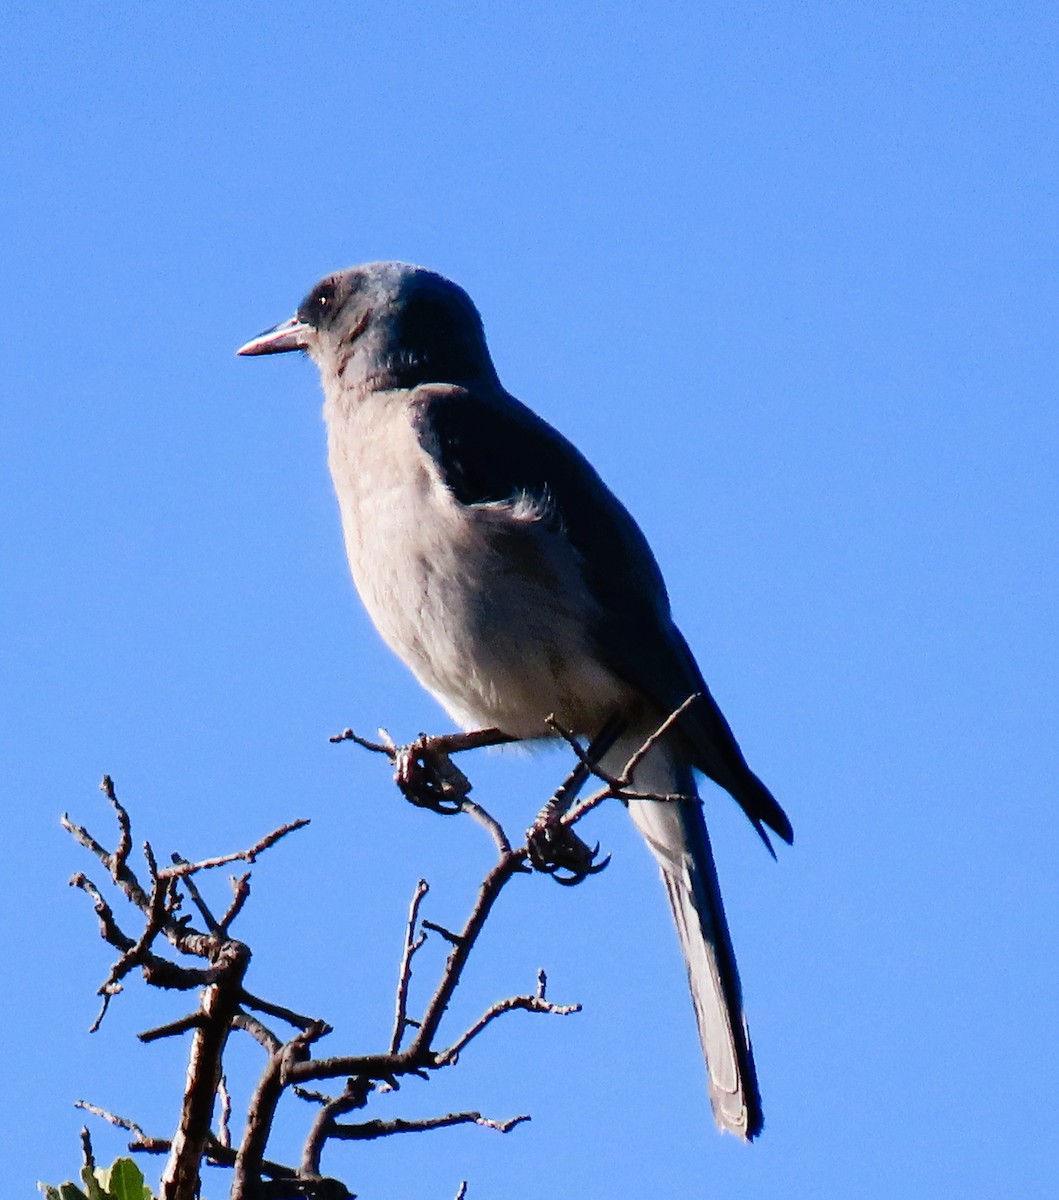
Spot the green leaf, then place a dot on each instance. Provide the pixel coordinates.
(124, 1181)
(65, 1191)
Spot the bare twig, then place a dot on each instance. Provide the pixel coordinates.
(112, 1118)
(453, 939)
(223, 1156)
(124, 846)
(172, 1028)
(489, 823)
(490, 889)
(183, 868)
(656, 737)
(108, 925)
(87, 1157)
(277, 1010)
(443, 743)
(535, 1004)
(368, 1130)
(258, 1031)
(404, 975)
(240, 895)
(224, 1135)
(355, 1096)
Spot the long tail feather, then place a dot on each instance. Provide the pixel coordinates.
(676, 834)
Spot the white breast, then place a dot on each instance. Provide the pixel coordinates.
(486, 604)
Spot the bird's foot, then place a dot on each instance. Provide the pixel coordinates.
(556, 850)
(429, 778)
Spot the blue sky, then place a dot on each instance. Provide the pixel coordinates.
(788, 275)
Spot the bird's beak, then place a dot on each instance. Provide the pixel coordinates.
(288, 335)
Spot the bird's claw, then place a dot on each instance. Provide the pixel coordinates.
(429, 778)
(555, 850)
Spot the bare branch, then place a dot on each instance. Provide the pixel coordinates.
(490, 889)
(240, 895)
(656, 737)
(120, 1122)
(172, 1028)
(355, 1096)
(222, 1156)
(224, 1135)
(443, 743)
(494, 828)
(453, 939)
(183, 868)
(108, 926)
(124, 846)
(369, 1130)
(404, 976)
(87, 1157)
(536, 1004)
(220, 1001)
(259, 1032)
(428, 777)
(212, 924)
(262, 1110)
(276, 1010)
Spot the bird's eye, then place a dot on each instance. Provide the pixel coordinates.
(319, 304)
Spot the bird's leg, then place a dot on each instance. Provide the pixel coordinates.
(426, 774)
(555, 848)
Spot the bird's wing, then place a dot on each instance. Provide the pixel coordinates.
(491, 448)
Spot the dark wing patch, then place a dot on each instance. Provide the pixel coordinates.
(490, 448)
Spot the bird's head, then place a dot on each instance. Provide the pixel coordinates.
(385, 325)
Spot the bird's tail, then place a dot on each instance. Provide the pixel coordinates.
(676, 833)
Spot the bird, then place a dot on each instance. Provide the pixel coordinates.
(497, 564)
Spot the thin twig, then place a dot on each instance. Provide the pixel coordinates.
(108, 925)
(223, 1156)
(656, 737)
(124, 846)
(411, 945)
(276, 1010)
(258, 1031)
(584, 807)
(240, 895)
(182, 869)
(453, 939)
(442, 743)
(369, 1130)
(490, 889)
(173, 1028)
(196, 896)
(536, 1004)
(87, 1157)
(113, 1118)
(224, 1135)
(496, 831)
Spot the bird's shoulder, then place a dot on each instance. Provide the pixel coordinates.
(492, 449)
